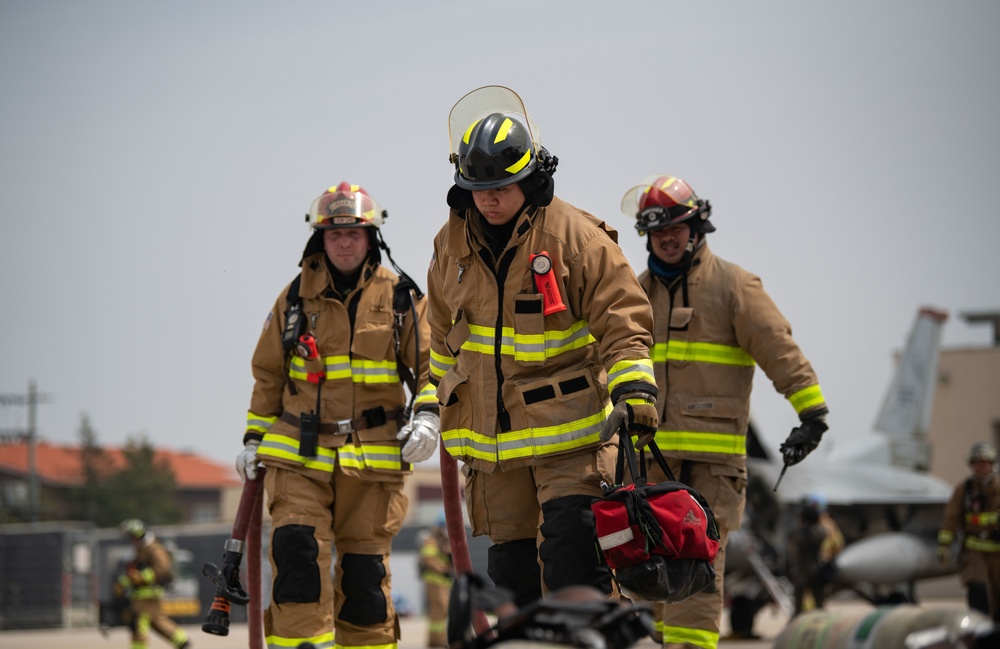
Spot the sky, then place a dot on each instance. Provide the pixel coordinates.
(158, 159)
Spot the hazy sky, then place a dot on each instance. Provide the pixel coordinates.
(158, 158)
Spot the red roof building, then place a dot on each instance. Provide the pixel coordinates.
(205, 489)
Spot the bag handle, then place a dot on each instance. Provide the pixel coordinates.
(637, 468)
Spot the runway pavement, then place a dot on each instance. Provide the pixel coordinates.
(768, 624)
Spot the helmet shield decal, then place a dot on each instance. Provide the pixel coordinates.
(344, 206)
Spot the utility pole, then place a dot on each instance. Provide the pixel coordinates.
(31, 400)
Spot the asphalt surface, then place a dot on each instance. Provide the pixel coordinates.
(768, 625)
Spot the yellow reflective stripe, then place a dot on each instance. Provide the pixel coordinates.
(480, 339)
(695, 352)
(538, 347)
(520, 164)
(462, 442)
(697, 637)
(368, 371)
(287, 448)
(529, 347)
(322, 641)
(468, 131)
(147, 592)
(807, 398)
(981, 545)
(436, 578)
(148, 575)
(946, 537)
(259, 423)
(359, 370)
(374, 456)
(532, 442)
(426, 395)
(694, 442)
(546, 440)
(639, 369)
(440, 364)
(981, 518)
(503, 130)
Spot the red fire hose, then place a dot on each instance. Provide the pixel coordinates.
(456, 528)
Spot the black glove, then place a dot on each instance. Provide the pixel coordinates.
(803, 440)
(638, 411)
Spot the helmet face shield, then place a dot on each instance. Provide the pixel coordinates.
(344, 206)
(493, 141)
(661, 200)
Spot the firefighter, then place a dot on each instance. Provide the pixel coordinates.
(142, 584)
(812, 547)
(972, 517)
(328, 420)
(713, 322)
(539, 347)
(437, 573)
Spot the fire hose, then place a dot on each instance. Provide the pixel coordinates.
(245, 539)
(455, 521)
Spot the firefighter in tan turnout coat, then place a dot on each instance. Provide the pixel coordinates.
(539, 342)
(325, 420)
(713, 322)
(149, 572)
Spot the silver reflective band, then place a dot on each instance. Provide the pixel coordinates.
(235, 545)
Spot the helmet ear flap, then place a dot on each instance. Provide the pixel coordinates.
(460, 199)
(538, 188)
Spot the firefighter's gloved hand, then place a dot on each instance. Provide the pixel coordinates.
(638, 411)
(135, 576)
(246, 461)
(420, 436)
(803, 440)
(944, 555)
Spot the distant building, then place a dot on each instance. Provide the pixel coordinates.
(206, 491)
(966, 402)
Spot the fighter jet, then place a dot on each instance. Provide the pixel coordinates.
(880, 494)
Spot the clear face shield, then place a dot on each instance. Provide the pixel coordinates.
(671, 190)
(479, 103)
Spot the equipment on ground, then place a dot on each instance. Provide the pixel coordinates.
(891, 627)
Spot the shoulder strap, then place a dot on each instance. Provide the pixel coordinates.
(402, 303)
(294, 321)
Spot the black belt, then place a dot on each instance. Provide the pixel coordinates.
(372, 418)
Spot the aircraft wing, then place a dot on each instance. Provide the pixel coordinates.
(853, 483)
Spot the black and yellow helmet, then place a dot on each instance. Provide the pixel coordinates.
(495, 151)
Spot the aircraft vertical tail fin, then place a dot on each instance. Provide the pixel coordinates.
(906, 410)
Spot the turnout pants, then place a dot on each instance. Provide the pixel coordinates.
(540, 521)
(312, 513)
(695, 622)
(148, 614)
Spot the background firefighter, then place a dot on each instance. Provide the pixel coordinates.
(972, 517)
(437, 572)
(713, 323)
(142, 585)
(325, 416)
(539, 341)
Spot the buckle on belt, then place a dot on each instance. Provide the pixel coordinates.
(344, 427)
